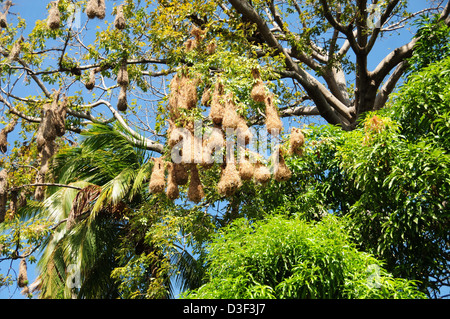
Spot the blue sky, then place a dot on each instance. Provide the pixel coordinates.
(33, 10)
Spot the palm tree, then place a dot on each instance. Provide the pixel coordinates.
(99, 248)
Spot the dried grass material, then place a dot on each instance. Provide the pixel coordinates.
(211, 47)
(3, 193)
(101, 9)
(3, 20)
(246, 168)
(46, 152)
(198, 33)
(174, 94)
(195, 191)
(60, 112)
(180, 174)
(273, 121)
(230, 181)
(91, 9)
(22, 278)
(190, 45)
(217, 106)
(96, 9)
(282, 172)
(230, 116)
(4, 135)
(206, 97)
(174, 135)
(188, 97)
(172, 191)
(91, 82)
(15, 50)
(122, 74)
(157, 179)
(13, 204)
(119, 20)
(296, 142)
(258, 93)
(54, 16)
(262, 173)
(122, 103)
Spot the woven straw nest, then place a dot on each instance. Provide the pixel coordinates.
(195, 190)
(262, 173)
(282, 172)
(296, 142)
(3, 193)
(157, 179)
(230, 180)
(51, 126)
(22, 278)
(4, 134)
(273, 121)
(96, 9)
(119, 20)
(217, 103)
(54, 16)
(258, 92)
(172, 190)
(16, 49)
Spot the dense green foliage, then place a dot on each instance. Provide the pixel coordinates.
(290, 258)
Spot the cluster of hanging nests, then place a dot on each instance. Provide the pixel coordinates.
(224, 114)
(97, 9)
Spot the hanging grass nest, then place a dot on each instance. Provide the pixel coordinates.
(13, 204)
(206, 97)
(230, 180)
(122, 74)
(180, 174)
(198, 33)
(296, 142)
(174, 135)
(22, 278)
(195, 191)
(246, 168)
(273, 121)
(188, 97)
(230, 116)
(258, 92)
(4, 135)
(91, 81)
(282, 172)
(53, 120)
(96, 9)
(157, 179)
(45, 153)
(119, 20)
(262, 173)
(3, 193)
(211, 47)
(217, 107)
(16, 49)
(54, 16)
(122, 103)
(172, 190)
(190, 45)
